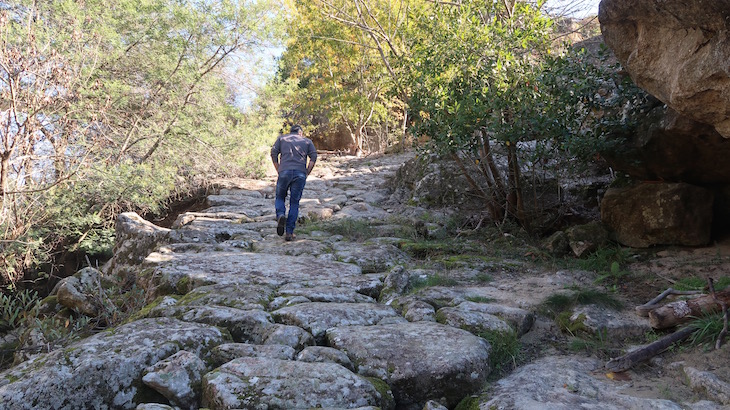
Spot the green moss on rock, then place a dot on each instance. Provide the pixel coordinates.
(386, 394)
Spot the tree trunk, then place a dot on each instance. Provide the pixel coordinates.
(682, 311)
(516, 205)
(4, 172)
(404, 128)
(494, 209)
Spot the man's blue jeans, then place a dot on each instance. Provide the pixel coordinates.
(289, 180)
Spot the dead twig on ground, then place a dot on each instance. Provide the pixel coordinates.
(643, 310)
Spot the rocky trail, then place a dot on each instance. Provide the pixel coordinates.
(351, 315)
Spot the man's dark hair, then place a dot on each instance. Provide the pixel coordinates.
(295, 129)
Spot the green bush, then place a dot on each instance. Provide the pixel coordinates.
(16, 307)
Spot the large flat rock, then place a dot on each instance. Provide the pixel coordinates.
(258, 383)
(317, 317)
(566, 383)
(421, 361)
(105, 370)
(182, 272)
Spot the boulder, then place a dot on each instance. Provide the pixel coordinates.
(84, 293)
(257, 383)
(104, 370)
(153, 406)
(421, 361)
(715, 388)
(587, 238)
(418, 311)
(520, 320)
(557, 244)
(395, 283)
(677, 51)
(239, 296)
(178, 379)
(370, 257)
(135, 239)
(474, 321)
(609, 324)
(659, 214)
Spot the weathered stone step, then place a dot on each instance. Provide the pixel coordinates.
(171, 272)
(258, 383)
(420, 361)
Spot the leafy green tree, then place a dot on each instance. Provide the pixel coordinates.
(484, 82)
(345, 55)
(110, 106)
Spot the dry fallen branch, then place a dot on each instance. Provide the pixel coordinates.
(642, 354)
(682, 311)
(644, 309)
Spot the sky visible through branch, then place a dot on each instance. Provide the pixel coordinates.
(245, 78)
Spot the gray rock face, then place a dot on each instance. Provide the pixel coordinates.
(244, 325)
(178, 379)
(616, 325)
(521, 320)
(322, 354)
(318, 317)
(229, 351)
(326, 294)
(565, 383)
(420, 361)
(136, 238)
(105, 370)
(474, 321)
(717, 389)
(182, 272)
(654, 214)
(395, 283)
(677, 51)
(371, 258)
(244, 297)
(419, 311)
(293, 336)
(255, 383)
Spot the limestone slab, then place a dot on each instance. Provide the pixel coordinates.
(420, 361)
(256, 383)
(317, 317)
(104, 370)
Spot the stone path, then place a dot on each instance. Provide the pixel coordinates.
(240, 319)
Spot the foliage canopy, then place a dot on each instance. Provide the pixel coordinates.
(110, 106)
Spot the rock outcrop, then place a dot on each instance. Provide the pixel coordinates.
(239, 318)
(653, 214)
(677, 51)
(105, 370)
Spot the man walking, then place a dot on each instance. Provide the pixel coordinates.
(293, 169)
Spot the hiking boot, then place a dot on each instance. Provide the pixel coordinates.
(281, 224)
(290, 237)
